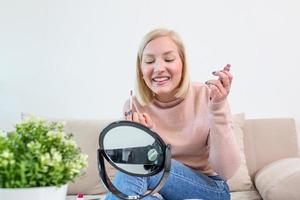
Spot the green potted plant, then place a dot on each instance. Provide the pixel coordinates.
(37, 161)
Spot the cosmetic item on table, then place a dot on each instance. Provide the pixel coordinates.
(80, 196)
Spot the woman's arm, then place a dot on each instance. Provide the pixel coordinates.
(224, 153)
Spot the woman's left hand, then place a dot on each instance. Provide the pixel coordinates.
(220, 88)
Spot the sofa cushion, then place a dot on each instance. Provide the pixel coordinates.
(268, 140)
(279, 180)
(245, 195)
(241, 181)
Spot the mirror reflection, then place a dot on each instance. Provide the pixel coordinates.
(133, 150)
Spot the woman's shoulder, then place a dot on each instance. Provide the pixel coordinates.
(199, 87)
(199, 92)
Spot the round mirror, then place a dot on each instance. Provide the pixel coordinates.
(129, 149)
(135, 150)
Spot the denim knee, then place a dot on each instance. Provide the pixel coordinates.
(131, 185)
(186, 183)
(182, 183)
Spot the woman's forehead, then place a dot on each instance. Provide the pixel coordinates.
(164, 41)
(162, 46)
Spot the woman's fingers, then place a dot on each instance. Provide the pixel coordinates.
(227, 67)
(229, 75)
(141, 118)
(217, 95)
(135, 117)
(148, 120)
(217, 86)
(226, 70)
(128, 115)
(220, 88)
(223, 78)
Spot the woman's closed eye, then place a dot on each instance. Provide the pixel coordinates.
(149, 61)
(169, 60)
(153, 60)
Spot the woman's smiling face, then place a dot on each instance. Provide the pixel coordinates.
(162, 67)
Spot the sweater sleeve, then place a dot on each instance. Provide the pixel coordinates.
(224, 154)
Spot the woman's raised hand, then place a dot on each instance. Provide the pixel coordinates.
(142, 118)
(220, 88)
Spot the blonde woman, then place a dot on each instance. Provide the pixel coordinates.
(193, 117)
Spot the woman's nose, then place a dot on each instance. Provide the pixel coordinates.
(159, 66)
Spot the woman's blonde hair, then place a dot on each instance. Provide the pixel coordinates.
(143, 92)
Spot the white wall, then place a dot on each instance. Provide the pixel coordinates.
(76, 58)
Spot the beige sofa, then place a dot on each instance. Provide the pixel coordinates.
(270, 169)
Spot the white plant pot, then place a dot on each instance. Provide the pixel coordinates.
(35, 193)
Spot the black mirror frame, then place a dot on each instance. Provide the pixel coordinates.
(101, 166)
(136, 125)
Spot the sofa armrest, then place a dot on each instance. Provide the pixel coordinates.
(279, 180)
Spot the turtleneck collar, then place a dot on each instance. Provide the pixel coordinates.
(168, 104)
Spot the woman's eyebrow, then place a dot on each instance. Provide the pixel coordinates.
(168, 52)
(148, 55)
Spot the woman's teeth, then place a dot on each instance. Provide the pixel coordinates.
(159, 79)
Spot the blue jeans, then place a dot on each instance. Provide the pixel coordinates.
(182, 183)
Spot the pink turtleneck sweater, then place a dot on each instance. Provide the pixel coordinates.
(200, 132)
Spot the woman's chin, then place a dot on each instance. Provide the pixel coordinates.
(162, 92)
